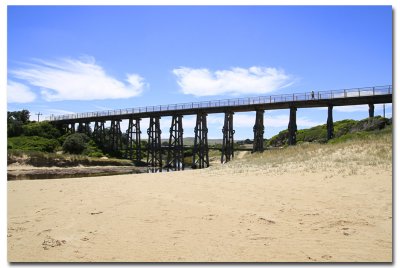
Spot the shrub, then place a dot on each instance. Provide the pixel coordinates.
(42, 129)
(33, 143)
(370, 124)
(92, 150)
(75, 143)
(95, 154)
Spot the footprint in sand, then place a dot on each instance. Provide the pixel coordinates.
(96, 212)
(44, 231)
(50, 242)
(265, 221)
(22, 222)
(16, 229)
(209, 217)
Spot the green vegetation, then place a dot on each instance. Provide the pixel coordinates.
(362, 135)
(343, 130)
(42, 129)
(15, 121)
(33, 143)
(75, 143)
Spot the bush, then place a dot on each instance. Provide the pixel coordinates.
(92, 150)
(33, 143)
(280, 139)
(42, 129)
(370, 124)
(75, 143)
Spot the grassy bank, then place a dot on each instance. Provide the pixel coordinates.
(348, 155)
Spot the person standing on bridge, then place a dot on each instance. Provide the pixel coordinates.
(312, 94)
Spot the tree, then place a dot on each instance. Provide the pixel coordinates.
(15, 121)
(22, 116)
(75, 143)
(248, 141)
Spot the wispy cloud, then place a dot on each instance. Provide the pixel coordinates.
(19, 93)
(58, 111)
(236, 81)
(77, 79)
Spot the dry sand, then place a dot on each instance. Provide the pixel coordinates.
(333, 203)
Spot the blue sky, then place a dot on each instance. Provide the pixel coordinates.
(85, 58)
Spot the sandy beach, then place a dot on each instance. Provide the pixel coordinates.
(309, 203)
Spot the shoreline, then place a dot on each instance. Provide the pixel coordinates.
(27, 172)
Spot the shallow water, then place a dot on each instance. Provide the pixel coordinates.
(65, 176)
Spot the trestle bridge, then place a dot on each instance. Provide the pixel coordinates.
(200, 158)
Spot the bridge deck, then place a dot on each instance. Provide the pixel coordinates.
(355, 96)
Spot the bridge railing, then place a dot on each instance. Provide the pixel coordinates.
(307, 96)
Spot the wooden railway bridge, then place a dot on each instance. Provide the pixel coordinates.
(329, 99)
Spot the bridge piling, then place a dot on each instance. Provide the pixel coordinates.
(80, 127)
(99, 132)
(175, 145)
(134, 143)
(72, 128)
(67, 128)
(84, 127)
(258, 129)
(154, 160)
(329, 123)
(227, 152)
(371, 110)
(200, 149)
(115, 135)
(292, 127)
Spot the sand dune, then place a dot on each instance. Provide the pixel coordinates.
(333, 203)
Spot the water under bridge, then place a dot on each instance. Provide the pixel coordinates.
(200, 158)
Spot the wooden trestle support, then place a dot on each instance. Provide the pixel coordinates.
(175, 145)
(329, 123)
(84, 127)
(258, 129)
(292, 127)
(115, 141)
(371, 110)
(154, 160)
(200, 149)
(99, 133)
(69, 128)
(227, 152)
(134, 144)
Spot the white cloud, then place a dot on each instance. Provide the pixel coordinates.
(59, 111)
(236, 81)
(19, 93)
(72, 79)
